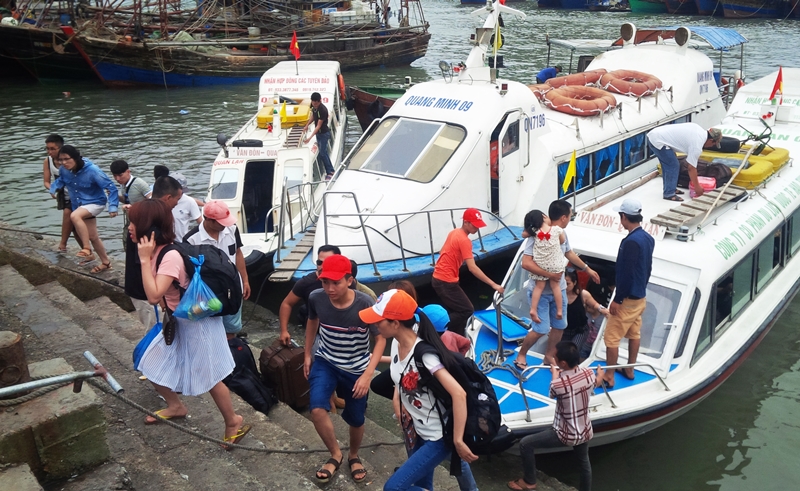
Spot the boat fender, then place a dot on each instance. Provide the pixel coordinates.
(342, 88)
(376, 109)
(350, 100)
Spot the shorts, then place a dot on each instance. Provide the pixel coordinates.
(94, 210)
(323, 379)
(626, 324)
(547, 312)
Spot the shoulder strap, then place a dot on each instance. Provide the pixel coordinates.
(164, 251)
(128, 187)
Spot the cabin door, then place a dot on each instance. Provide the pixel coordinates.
(509, 164)
(292, 170)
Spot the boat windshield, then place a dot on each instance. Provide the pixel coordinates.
(225, 182)
(400, 147)
(657, 321)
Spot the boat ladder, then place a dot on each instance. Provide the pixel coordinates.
(697, 207)
(289, 264)
(295, 137)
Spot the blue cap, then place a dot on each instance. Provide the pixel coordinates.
(438, 316)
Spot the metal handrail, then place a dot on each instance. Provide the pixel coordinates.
(77, 377)
(286, 202)
(362, 216)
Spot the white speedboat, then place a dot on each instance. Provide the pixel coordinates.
(725, 266)
(265, 172)
(472, 139)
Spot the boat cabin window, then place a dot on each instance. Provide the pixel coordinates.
(769, 258)
(225, 183)
(605, 162)
(583, 175)
(257, 195)
(634, 150)
(511, 139)
(794, 242)
(400, 146)
(657, 319)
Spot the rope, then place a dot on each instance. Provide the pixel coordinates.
(33, 395)
(104, 388)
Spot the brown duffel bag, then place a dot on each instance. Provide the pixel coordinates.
(282, 370)
(721, 172)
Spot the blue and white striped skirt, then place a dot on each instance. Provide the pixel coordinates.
(195, 362)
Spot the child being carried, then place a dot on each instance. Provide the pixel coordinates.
(547, 255)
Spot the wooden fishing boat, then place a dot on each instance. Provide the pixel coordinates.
(709, 7)
(755, 9)
(44, 53)
(371, 103)
(681, 7)
(648, 6)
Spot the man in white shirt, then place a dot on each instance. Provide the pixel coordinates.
(688, 138)
(219, 230)
(185, 212)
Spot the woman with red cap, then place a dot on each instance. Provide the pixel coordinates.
(393, 315)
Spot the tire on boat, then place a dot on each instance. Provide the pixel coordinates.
(580, 101)
(630, 82)
(582, 78)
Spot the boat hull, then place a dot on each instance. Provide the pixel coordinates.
(372, 103)
(709, 7)
(647, 7)
(564, 4)
(121, 64)
(39, 52)
(681, 7)
(753, 9)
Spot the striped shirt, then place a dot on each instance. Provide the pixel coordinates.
(343, 336)
(571, 391)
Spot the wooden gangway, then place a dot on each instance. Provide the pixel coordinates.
(285, 269)
(690, 210)
(295, 137)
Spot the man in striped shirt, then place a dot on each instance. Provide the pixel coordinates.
(571, 387)
(341, 361)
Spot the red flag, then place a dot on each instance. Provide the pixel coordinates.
(778, 87)
(294, 47)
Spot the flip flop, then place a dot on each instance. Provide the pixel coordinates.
(102, 267)
(360, 472)
(153, 421)
(61, 251)
(674, 197)
(678, 192)
(326, 474)
(520, 485)
(244, 430)
(520, 366)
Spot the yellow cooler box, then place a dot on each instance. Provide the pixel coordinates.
(295, 114)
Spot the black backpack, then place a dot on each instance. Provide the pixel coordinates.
(483, 410)
(245, 381)
(218, 272)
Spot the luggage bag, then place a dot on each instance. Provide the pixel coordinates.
(282, 370)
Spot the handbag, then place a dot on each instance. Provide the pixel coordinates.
(145, 342)
(169, 325)
(61, 201)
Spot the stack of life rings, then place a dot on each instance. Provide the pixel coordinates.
(583, 94)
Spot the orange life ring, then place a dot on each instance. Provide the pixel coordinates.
(580, 101)
(342, 88)
(539, 90)
(630, 82)
(583, 78)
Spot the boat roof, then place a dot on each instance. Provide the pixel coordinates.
(719, 38)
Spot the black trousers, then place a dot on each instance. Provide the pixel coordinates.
(456, 302)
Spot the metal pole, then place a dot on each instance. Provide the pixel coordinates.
(101, 371)
(430, 236)
(480, 240)
(498, 307)
(400, 239)
(37, 384)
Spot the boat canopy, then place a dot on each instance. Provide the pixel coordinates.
(718, 38)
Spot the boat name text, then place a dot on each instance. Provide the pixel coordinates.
(611, 223)
(229, 162)
(745, 232)
(253, 152)
(438, 103)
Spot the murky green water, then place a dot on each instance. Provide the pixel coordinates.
(744, 436)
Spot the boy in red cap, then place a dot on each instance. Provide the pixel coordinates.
(456, 250)
(341, 361)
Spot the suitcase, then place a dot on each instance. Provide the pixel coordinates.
(282, 370)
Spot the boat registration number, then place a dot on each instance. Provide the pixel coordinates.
(535, 121)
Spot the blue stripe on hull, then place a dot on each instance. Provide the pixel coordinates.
(121, 75)
(751, 11)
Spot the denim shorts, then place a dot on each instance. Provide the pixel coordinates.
(547, 312)
(323, 379)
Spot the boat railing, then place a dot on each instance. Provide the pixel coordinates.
(294, 195)
(362, 216)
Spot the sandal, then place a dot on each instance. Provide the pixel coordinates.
(362, 473)
(678, 192)
(243, 430)
(520, 366)
(85, 252)
(102, 267)
(520, 485)
(674, 197)
(149, 420)
(324, 475)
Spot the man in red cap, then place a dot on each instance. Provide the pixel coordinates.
(341, 361)
(219, 229)
(456, 250)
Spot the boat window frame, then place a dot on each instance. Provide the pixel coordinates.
(223, 170)
(375, 127)
(794, 226)
(687, 324)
